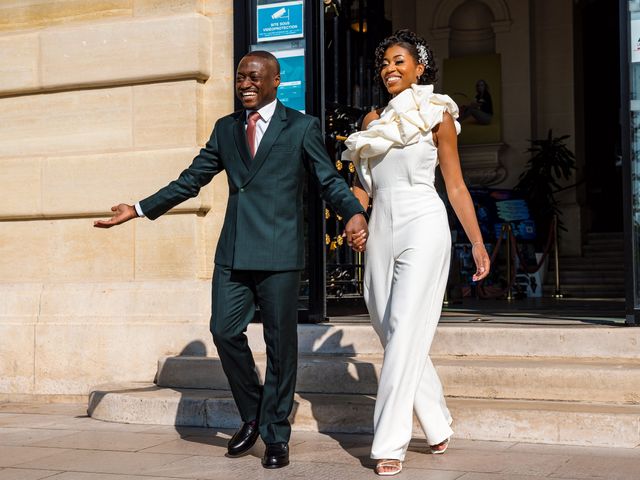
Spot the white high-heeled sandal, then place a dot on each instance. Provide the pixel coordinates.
(388, 463)
(440, 451)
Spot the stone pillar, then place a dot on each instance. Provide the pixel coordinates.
(554, 79)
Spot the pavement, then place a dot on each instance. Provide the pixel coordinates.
(59, 441)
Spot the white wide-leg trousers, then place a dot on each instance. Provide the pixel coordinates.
(404, 293)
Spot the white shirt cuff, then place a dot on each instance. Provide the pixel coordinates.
(139, 209)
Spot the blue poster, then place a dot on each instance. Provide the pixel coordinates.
(280, 21)
(291, 91)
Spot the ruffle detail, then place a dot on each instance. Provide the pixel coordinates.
(412, 113)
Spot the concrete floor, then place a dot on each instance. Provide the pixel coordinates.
(58, 441)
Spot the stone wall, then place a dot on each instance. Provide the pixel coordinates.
(101, 102)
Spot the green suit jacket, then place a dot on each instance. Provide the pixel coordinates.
(263, 226)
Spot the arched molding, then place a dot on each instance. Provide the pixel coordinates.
(444, 10)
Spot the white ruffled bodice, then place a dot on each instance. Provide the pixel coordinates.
(408, 119)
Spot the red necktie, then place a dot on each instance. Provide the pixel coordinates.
(251, 132)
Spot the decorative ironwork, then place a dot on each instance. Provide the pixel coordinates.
(353, 29)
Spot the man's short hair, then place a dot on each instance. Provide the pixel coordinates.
(268, 56)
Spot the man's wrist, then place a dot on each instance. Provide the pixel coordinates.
(364, 214)
(138, 210)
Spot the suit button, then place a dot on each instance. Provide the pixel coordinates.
(242, 189)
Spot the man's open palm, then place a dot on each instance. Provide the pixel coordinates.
(121, 213)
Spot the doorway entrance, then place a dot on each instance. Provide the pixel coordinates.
(598, 111)
(340, 37)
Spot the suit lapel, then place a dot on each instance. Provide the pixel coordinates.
(276, 125)
(240, 137)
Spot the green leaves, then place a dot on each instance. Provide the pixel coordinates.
(550, 162)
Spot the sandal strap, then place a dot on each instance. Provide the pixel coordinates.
(441, 444)
(389, 463)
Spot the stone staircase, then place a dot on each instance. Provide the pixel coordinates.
(598, 273)
(547, 384)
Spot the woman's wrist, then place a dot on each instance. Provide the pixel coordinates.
(476, 243)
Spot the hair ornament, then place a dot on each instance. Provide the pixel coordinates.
(423, 56)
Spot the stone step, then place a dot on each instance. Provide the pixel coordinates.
(572, 423)
(474, 377)
(611, 239)
(589, 263)
(605, 236)
(554, 379)
(614, 284)
(577, 292)
(588, 286)
(473, 339)
(612, 270)
(588, 268)
(606, 243)
(587, 291)
(591, 278)
(600, 252)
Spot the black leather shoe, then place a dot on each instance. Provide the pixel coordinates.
(243, 439)
(276, 455)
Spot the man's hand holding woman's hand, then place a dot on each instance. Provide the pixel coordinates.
(357, 231)
(121, 213)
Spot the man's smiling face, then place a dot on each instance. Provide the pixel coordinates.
(257, 81)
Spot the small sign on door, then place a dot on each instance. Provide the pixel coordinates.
(635, 40)
(280, 21)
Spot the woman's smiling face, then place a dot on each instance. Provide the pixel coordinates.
(399, 69)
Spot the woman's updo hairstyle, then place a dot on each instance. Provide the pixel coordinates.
(417, 47)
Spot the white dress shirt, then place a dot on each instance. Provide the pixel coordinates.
(266, 113)
(262, 124)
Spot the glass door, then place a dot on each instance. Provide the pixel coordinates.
(630, 119)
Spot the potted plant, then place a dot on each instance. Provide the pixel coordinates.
(551, 161)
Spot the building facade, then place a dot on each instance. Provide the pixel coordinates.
(103, 102)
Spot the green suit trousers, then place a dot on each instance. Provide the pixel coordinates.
(235, 295)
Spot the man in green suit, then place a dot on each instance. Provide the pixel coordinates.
(266, 150)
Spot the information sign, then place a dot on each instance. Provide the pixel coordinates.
(291, 91)
(280, 21)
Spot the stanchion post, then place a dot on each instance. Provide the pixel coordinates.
(507, 227)
(359, 274)
(557, 292)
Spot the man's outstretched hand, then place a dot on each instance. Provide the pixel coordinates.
(121, 213)
(356, 231)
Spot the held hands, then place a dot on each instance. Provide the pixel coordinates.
(356, 231)
(481, 258)
(122, 213)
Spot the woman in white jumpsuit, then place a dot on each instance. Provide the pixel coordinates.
(408, 250)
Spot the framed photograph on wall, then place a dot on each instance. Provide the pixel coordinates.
(474, 83)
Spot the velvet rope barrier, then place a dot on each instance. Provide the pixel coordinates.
(545, 253)
(481, 288)
(506, 227)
